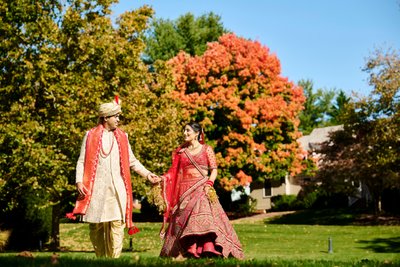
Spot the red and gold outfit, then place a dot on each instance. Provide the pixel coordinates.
(197, 227)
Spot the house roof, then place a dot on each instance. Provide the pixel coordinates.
(317, 136)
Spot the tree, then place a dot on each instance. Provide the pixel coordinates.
(367, 151)
(249, 111)
(166, 38)
(316, 107)
(57, 64)
(28, 35)
(338, 109)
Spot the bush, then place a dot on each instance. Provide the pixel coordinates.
(390, 200)
(285, 202)
(308, 200)
(29, 226)
(149, 212)
(245, 206)
(330, 201)
(312, 199)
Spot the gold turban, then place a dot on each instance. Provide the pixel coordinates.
(110, 109)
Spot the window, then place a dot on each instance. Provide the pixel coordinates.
(267, 188)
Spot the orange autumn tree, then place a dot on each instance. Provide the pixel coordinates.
(249, 111)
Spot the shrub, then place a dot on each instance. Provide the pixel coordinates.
(245, 206)
(149, 212)
(309, 199)
(285, 202)
(29, 226)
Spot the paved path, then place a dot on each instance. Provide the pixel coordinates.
(260, 217)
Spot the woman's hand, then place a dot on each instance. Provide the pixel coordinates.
(210, 193)
(207, 188)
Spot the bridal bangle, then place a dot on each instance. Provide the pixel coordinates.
(210, 183)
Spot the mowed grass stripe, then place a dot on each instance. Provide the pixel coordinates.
(264, 245)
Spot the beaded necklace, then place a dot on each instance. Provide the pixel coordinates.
(104, 154)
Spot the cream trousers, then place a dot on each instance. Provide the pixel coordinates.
(107, 238)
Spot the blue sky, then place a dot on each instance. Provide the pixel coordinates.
(325, 41)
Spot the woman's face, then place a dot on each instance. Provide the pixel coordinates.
(189, 134)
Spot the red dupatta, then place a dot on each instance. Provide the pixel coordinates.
(171, 185)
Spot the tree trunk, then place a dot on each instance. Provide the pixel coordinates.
(55, 228)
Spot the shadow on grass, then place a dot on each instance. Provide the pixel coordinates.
(316, 217)
(335, 217)
(383, 245)
(62, 261)
(44, 261)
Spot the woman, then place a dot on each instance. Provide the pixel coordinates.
(197, 224)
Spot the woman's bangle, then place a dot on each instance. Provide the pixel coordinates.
(210, 183)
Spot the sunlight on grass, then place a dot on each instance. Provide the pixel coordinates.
(75, 237)
(311, 241)
(268, 241)
(264, 245)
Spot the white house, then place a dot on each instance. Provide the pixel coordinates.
(263, 192)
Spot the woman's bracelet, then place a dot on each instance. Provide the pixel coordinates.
(210, 183)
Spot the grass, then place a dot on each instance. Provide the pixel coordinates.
(335, 217)
(265, 243)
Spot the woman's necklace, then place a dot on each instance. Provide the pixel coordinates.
(104, 154)
(192, 148)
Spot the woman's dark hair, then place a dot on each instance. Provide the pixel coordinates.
(198, 129)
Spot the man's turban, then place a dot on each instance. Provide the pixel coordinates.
(110, 109)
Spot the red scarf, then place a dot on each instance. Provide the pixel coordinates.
(171, 184)
(172, 179)
(93, 146)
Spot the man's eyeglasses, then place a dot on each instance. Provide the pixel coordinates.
(117, 116)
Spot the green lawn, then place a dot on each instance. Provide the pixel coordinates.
(265, 244)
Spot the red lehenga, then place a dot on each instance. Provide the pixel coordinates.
(196, 226)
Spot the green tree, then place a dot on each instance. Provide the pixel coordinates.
(316, 107)
(58, 63)
(28, 39)
(166, 38)
(337, 112)
(367, 151)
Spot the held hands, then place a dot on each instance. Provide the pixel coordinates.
(82, 190)
(153, 178)
(155, 195)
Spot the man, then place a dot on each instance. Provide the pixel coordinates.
(103, 182)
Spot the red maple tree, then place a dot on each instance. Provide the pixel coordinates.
(249, 111)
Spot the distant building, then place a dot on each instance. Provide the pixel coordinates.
(263, 192)
(313, 141)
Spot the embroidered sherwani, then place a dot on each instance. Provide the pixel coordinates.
(106, 211)
(108, 200)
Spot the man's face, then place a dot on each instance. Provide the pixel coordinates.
(111, 122)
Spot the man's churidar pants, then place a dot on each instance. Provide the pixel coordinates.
(107, 238)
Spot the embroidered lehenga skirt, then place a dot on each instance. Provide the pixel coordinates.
(198, 227)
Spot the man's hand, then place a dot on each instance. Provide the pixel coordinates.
(82, 190)
(153, 178)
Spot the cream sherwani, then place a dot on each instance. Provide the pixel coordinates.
(108, 202)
